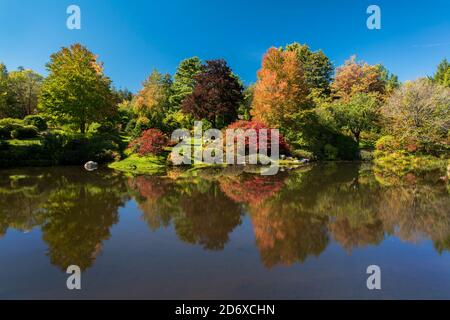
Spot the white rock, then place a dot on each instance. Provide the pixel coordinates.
(91, 166)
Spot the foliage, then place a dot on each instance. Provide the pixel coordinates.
(3, 89)
(257, 126)
(357, 114)
(184, 81)
(25, 132)
(418, 114)
(244, 110)
(442, 74)
(400, 163)
(281, 90)
(314, 131)
(8, 125)
(216, 96)
(152, 141)
(37, 121)
(24, 88)
(357, 77)
(390, 80)
(152, 101)
(76, 90)
(317, 67)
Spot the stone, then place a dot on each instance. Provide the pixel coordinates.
(91, 166)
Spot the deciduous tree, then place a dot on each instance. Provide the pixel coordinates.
(76, 90)
(358, 114)
(216, 96)
(357, 77)
(281, 90)
(152, 102)
(24, 88)
(3, 89)
(419, 112)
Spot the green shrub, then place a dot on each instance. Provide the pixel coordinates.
(26, 132)
(53, 145)
(37, 121)
(7, 125)
(10, 121)
(303, 154)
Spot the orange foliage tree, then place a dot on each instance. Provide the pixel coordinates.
(357, 77)
(281, 90)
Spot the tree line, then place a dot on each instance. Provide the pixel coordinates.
(322, 111)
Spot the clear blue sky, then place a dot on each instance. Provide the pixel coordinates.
(133, 37)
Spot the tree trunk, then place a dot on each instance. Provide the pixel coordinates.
(83, 127)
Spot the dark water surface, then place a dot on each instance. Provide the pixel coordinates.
(305, 233)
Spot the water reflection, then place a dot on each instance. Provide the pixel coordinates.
(75, 211)
(295, 214)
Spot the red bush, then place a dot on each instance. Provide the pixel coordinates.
(151, 141)
(256, 125)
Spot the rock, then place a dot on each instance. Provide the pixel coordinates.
(91, 166)
(304, 161)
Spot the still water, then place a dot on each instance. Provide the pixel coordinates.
(223, 233)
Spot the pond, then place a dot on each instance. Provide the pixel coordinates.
(224, 234)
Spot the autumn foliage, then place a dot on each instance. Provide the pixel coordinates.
(281, 90)
(152, 141)
(357, 77)
(257, 126)
(216, 96)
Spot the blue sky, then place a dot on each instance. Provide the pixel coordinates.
(133, 37)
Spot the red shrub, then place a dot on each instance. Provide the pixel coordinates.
(256, 125)
(151, 141)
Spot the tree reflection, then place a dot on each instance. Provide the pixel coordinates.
(75, 210)
(200, 212)
(294, 214)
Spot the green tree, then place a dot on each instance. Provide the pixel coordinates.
(184, 80)
(3, 89)
(317, 68)
(24, 88)
(390, 80)
(76, 90)
(442, 75)
(246, 106)
(358, 114)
